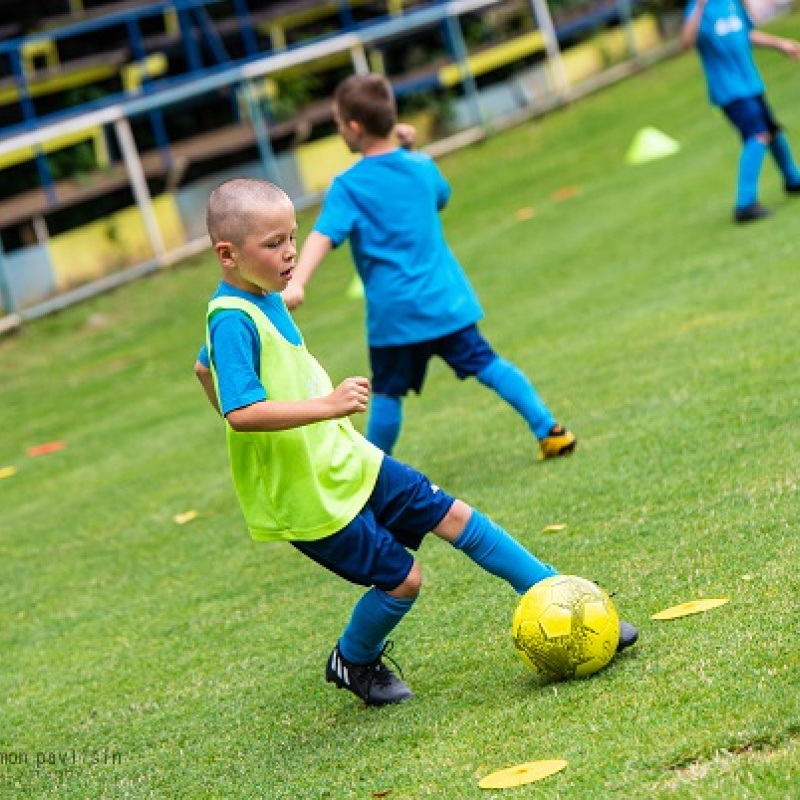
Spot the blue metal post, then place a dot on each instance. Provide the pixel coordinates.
(156, 117)
(212, 37)
(246, 27)
(467, 78)
(346, 15)
(187, 34)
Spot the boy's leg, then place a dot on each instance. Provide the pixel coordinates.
(751, 160)
(753, 120)
(468, 353)
(396, 370)
(406, 503)
(374, 617)
(356, 663)
(496, 551)
(782, 153)
(779, 148)
(514, 387)
(492, 548)
(385, 421)
(365, 553)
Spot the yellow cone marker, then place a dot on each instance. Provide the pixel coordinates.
(692, 607)
(650, 144)
(521, 774)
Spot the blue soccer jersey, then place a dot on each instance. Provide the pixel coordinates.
(723, 43)
(236, 345)
(388, 207)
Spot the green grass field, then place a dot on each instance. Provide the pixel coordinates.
(140, 658)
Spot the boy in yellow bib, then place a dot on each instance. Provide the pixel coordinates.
(302, 473)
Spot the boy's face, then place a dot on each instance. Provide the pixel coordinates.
(265, 259)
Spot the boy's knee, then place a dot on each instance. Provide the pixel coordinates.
(454, 521)
(412, 584)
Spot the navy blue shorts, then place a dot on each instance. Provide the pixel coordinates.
(398, 369)
(752, 116)
(371, 550)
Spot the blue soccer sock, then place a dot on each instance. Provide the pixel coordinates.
(499, 553)
(385, 420)
(750, 163)
(374, 617)
(782, 153)
(515, 388)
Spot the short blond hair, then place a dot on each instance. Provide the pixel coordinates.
(231, 204)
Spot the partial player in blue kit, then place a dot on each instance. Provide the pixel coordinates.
(420, 303)
(301, 471)
(724, 34)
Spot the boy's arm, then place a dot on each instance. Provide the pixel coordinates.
(349, 397)
(315, 248)
(692, 25)
(789, 47)
(203, 374)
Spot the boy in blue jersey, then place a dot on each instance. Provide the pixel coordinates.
(419, 301)
(302, 473)
(724, 34)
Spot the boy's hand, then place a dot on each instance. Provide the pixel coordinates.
(349, 397)
(791, 48)
(406, 134)
(293, 295)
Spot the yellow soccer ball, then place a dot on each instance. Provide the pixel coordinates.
(565, 627)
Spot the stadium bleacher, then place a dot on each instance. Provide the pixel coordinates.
(60, 59)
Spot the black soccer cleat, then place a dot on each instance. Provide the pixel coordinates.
(374, 683)
(751, 213)
(627, 635)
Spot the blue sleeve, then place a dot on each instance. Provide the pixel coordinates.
(237, 355)
(338, 215)
(203, 358)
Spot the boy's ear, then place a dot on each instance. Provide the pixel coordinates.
(225, 254)
(355, 127)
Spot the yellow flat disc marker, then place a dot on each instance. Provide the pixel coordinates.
(523, 773)
(692, 607)
(187, 516)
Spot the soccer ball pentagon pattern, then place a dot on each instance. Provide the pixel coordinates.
(565, 627)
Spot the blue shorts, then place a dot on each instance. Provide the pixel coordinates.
(371, 550)
(752, 116)
(398, 369)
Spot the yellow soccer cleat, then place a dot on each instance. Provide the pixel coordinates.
(559, 442)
